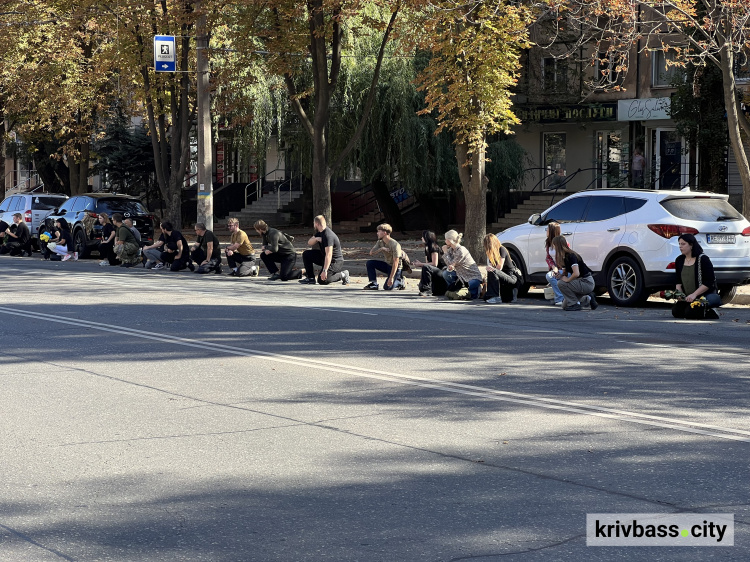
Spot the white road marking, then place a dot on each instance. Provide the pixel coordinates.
(412, 380)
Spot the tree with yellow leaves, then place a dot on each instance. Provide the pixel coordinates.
(475, 47)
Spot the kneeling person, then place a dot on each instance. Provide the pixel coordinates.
(277, 248)
(206, 251)
(240, 253)
(329, 256)
(390, 264)
(126, 247)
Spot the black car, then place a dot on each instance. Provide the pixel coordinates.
(82, 214)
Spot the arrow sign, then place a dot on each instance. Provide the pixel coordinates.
(165, 54)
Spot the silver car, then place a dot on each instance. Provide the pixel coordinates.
(33, 206)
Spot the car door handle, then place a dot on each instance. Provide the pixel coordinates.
(613, 229)
(567, 234)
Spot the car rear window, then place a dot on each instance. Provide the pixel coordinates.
(110, 206)
(701, 209)
(46, 203)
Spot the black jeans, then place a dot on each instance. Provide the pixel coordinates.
(236, 259)
(287, 261)
(432, 280)
(107, 252)
(176, 264)
(312, 258)
(500, 284)
(15, 248)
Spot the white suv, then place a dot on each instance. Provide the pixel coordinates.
(629, 239)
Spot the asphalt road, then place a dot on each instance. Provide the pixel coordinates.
(170, 416)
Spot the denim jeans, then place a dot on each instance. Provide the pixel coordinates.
(373, 266)
(454, 283)
(553, 283)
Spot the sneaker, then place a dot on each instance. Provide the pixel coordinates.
(254, 271)
(217, 270)
(274, 276)
(75, 256)
(402, 286)
(149, 264)
(159, 266)
(573, 308)
(371, 286)
(307, 281)
(345, 277)
(592, 302)
(104, 263)
(66, 257)
(495, 300)
(558, 303)
(425, 293)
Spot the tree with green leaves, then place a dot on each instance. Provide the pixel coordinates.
(304, 43)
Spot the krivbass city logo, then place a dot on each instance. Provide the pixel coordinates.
(660, 529)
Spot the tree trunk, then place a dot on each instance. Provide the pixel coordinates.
(475, 194)
(733, 124)
(321, 177)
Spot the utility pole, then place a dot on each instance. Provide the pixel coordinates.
(205, 152)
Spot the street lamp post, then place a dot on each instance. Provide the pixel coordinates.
(205, 153)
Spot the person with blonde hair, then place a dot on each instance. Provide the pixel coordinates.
(461, 274)
(240, 253)
(390, 263)
(501, 276)
(578, 285)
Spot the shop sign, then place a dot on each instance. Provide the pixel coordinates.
(567, 113)
(643, 109)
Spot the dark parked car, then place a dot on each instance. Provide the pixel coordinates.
(82, 213)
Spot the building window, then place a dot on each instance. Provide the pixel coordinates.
(608, 71)
(665, 73)
(554, 74)
(553, 146)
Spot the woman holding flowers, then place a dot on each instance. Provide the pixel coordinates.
(696, 279)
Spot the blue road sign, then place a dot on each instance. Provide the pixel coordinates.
(165, 55)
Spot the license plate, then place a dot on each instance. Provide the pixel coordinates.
(135, 223)
(720, 238)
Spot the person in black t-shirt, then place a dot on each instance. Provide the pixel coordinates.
(432, 281)
(176, 251)
(206, 252)
(329, 256)
(65, 247)
(501, 277)
(578, 286)
(277, 248)
(19, 242)
(107, 243)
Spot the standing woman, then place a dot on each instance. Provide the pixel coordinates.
(695, 277)
(577, 288)
(65, 247)
(107, 244)
(432, 282)
(501, 279)
(460, 268)
(553, 229)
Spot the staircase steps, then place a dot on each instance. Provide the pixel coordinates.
(535, 204)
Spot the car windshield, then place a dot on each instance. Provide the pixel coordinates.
(129, 206)
(41, 203)
(703, 209)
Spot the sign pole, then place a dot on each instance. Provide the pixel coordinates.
(205, 164)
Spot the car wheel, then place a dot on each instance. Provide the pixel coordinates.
(625, 282)
(523, 290)
(79, 240)
(727, 293)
